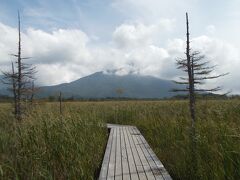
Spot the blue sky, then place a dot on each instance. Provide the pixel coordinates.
(96, 17)
(101, 17)
(74, 38)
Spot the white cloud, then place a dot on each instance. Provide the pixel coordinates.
(67, 54)
(129, 35)
(53, 53)
(218, 52)
(57, 46)
(8, 41)
(132, 35)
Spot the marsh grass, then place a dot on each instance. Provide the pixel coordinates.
(47, 146)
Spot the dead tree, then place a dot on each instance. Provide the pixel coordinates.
(198, 71)
(21, 79)
(25, 75)
(60, 102)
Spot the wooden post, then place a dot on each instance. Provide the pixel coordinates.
(60, 102)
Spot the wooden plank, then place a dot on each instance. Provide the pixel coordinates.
(132, 165)
(158, 163)
(126, 171)
(138, 163)
(118, 174)
(129, 156)
(143, 159)
(111, 165)
(110, 126)
(104, 168)
(155, 170)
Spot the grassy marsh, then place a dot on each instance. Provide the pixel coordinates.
(47, 146)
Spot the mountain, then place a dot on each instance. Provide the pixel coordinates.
(3, 87)
(110, 85)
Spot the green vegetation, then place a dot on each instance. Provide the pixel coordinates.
(46, 146)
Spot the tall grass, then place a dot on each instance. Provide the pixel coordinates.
(166, 126)
(46, 146)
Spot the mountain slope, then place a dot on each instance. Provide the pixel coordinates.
(3, 87)
(101, 85)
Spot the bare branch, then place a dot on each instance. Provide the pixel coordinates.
(209, 90)
(211, 77)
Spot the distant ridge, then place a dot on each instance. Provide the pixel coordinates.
(3, 87)
(109, 85)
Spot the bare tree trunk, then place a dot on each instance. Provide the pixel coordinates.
(14, 90)
(19, 78)
(191, 103)
(190, 77)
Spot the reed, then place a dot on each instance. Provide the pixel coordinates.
(71, 146)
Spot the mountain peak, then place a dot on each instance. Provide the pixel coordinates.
(104, 84)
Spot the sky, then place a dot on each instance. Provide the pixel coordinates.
(70, 39)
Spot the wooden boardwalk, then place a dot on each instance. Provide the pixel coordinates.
(128, 156)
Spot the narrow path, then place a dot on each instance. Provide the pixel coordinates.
(128, 156)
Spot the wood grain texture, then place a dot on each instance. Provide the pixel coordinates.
(128, 156)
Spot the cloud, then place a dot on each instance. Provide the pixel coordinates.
(7, 43)
(226, 56)
(58, 46)
(132, 35)
(223, 54)
(137, 34)
(64, 55)
(53, 53)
